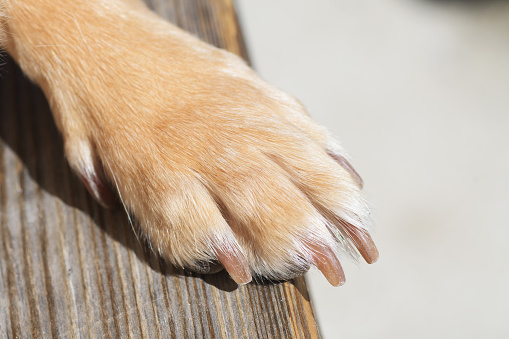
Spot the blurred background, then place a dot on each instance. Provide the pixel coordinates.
(418, 93)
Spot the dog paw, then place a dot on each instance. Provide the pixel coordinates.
(219, 168)
(245, 189)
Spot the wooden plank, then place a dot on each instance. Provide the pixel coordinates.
(69, 268)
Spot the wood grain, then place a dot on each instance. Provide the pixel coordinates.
(70, 269)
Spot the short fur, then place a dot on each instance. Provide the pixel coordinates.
(215, 163)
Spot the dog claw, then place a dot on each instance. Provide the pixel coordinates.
(235, 264)
(327, 262)
(348, 167)
(363, 242)
(99, 190)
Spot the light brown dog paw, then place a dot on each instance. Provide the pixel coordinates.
(217, 165)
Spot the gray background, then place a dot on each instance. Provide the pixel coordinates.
(418, 92)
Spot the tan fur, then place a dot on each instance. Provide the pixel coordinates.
(207, 156)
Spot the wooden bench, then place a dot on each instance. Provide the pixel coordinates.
(69, 268)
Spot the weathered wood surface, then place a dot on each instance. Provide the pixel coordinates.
(70, 269)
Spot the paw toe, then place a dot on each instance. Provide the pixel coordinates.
(86, 163)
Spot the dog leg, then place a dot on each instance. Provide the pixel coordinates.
(217, 165)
